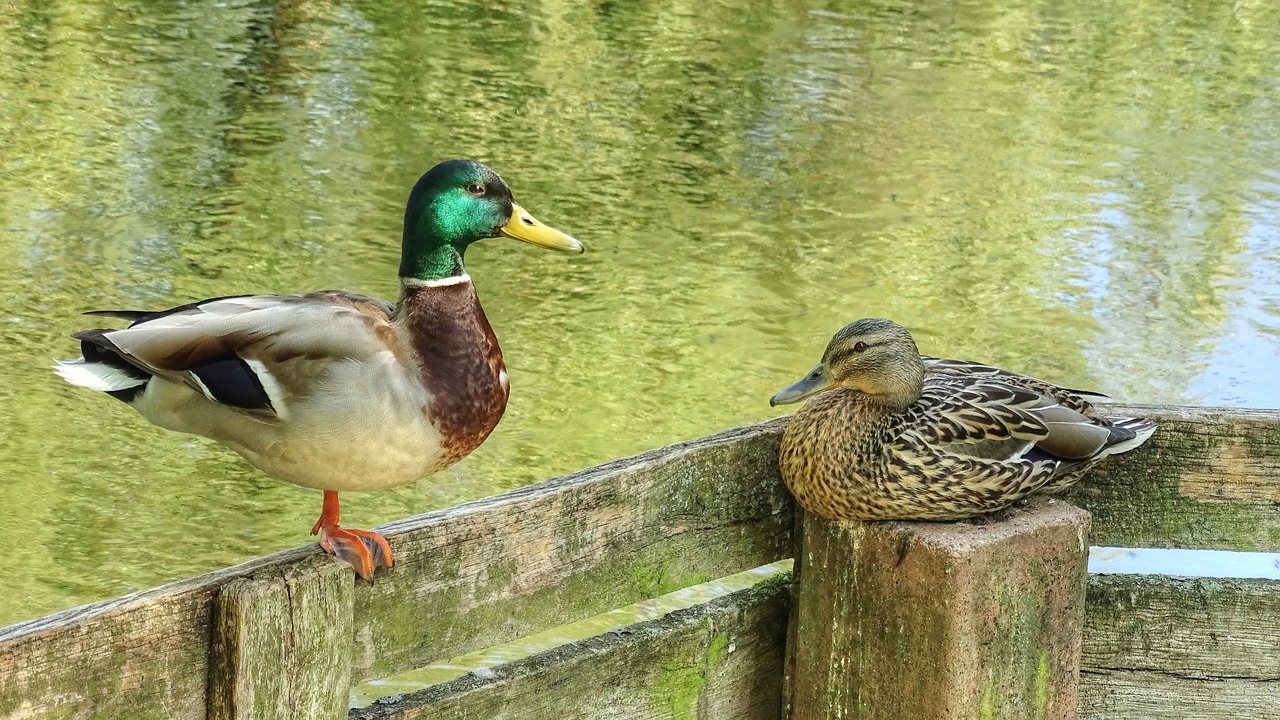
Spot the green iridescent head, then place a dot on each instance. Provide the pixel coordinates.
(457, 203)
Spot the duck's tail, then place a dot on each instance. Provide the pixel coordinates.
(1128, 433)
(102, 370)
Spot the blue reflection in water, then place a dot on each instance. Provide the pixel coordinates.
(1184, 563)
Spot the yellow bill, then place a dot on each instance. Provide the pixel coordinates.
(525, 227)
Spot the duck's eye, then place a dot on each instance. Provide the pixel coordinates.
(859, 346)
(476, 189)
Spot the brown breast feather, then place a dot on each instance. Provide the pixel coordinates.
(459, 363)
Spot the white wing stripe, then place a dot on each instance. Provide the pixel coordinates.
(273, 389)
(203, 388)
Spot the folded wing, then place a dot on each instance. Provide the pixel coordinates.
(254, 352)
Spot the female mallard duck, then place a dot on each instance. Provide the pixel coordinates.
(898, 436)
(334, 390)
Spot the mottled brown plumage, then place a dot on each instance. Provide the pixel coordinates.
(890, 434)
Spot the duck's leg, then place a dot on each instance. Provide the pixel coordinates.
(364, 549)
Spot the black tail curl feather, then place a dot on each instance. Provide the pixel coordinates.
(97, 349)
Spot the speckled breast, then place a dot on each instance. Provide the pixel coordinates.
(460, 365)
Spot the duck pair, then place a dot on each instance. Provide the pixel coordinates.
(339, 391)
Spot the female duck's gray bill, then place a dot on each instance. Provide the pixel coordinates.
(815, 382)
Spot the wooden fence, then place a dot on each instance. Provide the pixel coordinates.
(285, 636)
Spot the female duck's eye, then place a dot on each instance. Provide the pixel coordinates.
(475, 189)
(859, 346)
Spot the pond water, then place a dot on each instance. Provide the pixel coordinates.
(1088, 192)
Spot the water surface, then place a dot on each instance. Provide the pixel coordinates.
(1088, 192)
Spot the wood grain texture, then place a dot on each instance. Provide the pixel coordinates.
(1145, 695)
(465, 578)
(282, 644)
(508, 566)
(1209, 478)
(721, 660)
(940, 621)
(139, 656)
(1164, 647)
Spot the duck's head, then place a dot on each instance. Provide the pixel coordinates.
(457, 203)
(873, 355)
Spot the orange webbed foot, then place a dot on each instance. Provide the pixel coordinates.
(365, 550)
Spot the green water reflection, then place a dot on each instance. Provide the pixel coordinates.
(1087, 191)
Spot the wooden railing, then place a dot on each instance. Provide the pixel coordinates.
(286, 636)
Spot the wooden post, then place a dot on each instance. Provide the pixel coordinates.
(282, 644)
(939, 621)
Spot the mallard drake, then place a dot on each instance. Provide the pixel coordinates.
(890, 434)
(334, 390)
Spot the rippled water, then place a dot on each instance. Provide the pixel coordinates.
(1088, 192)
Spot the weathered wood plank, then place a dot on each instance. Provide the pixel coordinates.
(721, 660)
(537, 557)
(465, 578)
(940, 621)
(1209, 478)
(1169, 648)
(493, 570)
(140, 656)
(1146, 695)
(282, 644)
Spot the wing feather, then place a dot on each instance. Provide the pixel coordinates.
(1073, 399)
(1040, 420)
(255, 352)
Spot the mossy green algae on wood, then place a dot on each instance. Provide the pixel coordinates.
(679, 684)
(940, 621)
(1207, 479)
(721, 660)
(576, 546)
